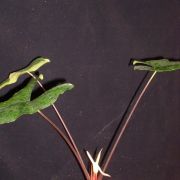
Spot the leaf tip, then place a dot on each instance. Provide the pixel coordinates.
(135, 62)
(46, 60)
(71, 86)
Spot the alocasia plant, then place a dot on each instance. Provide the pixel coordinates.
(21, 103)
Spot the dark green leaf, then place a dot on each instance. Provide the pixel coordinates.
(20, 103)
(23, 95)
(161, 65)
(49, 97)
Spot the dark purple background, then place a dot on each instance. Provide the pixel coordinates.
(90, 44)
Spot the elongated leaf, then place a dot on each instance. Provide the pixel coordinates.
(49, 97)
(13, 108)
(161, 65)
(34, 66)
(23, 95)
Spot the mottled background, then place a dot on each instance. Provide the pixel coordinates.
(90, 44)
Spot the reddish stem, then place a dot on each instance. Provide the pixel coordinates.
(53, 125)
(127, 120)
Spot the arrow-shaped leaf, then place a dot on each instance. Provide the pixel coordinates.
(161, 65)
(20, 103)
(34, 66)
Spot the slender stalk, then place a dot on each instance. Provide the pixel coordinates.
(53, 125)
(71, 139)
(66, 129)
(127, 120)
(59, 115)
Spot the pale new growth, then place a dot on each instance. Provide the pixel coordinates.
(95, 164)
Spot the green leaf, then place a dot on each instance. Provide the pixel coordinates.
(49, 97)
(23, 95)
(20, 103)
(161, 65)
(34, 66)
